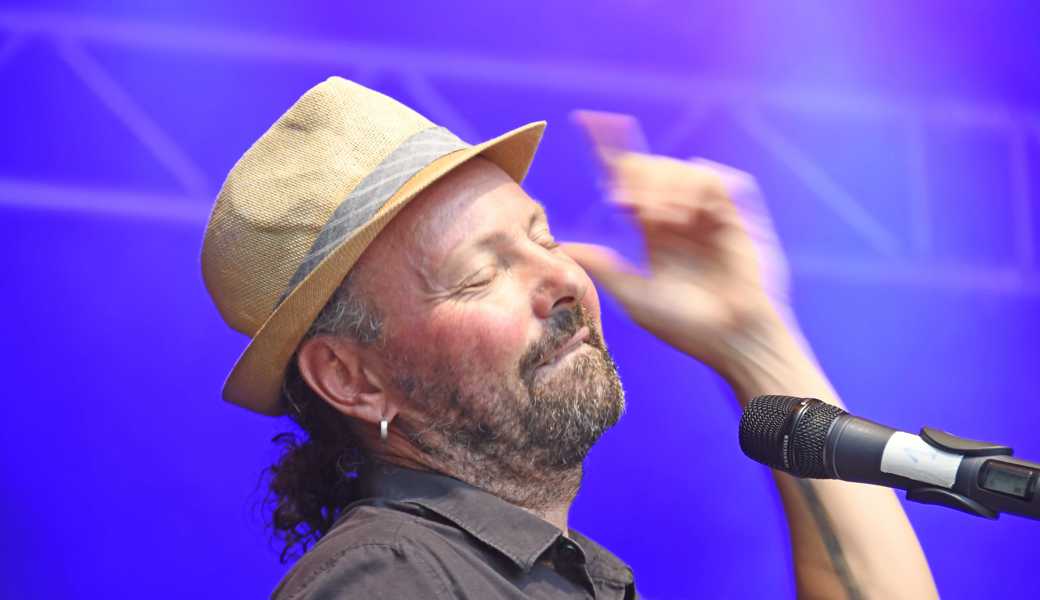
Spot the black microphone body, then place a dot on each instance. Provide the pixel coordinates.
(808, 438)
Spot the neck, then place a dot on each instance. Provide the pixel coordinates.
(555, 517)
(520, 479)
(545, 494)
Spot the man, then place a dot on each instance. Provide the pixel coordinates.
(411, 311)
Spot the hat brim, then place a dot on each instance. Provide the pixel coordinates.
(255, 382)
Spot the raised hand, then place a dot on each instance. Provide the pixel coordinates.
(715, 270)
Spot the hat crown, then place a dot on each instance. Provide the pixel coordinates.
(282, 192)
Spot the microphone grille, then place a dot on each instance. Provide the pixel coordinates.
(766, 420)
(810, 437)
(762, 428)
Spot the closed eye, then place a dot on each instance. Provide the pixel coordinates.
(549, 244)
(477, 280)
(543, 238)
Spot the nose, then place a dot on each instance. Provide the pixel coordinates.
(560, 284)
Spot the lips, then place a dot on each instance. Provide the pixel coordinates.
(575, 341)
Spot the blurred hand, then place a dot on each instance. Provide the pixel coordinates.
(716, 288)
(716, 272)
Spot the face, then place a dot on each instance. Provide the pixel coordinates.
(492, 333)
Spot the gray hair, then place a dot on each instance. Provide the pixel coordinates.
(347, 314)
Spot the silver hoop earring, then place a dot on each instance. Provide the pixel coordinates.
(384, 429)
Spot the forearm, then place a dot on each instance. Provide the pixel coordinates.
(848, 540)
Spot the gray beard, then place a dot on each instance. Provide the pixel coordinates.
(520, 439)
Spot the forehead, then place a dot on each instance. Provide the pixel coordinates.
(476, 199)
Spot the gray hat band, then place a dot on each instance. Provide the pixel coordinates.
(365, 200)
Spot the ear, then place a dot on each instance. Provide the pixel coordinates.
(336, 370)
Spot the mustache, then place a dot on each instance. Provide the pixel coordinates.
(558, 329)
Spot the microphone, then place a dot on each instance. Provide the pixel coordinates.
(809, 438)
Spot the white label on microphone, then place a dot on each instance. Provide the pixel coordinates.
(911, 457)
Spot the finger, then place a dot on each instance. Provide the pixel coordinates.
(682, 211)
(606, 266)
(748, 200)
(611, 136)
(757, 221)
(745, 195)
(672, 230)
(642, 179)
(610, 133)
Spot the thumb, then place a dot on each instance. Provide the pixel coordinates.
(618, 276)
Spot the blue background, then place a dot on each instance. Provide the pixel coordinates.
(898, 148)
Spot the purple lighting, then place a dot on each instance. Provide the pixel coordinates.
(898, 149)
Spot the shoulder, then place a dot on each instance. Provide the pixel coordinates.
(373, 551)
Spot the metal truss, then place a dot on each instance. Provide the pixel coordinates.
(895, 261)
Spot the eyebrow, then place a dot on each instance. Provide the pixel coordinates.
(498, 237)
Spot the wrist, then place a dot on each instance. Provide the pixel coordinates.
(771, 356)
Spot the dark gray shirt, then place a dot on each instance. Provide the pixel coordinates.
(424, 535)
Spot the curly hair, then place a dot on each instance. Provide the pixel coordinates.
(315, 476)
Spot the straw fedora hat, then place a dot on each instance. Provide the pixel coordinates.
(302, 204)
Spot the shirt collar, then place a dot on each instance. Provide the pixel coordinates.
(601, 562)
(512, 531)
(517, 534)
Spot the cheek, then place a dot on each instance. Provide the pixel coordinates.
(482, 334)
